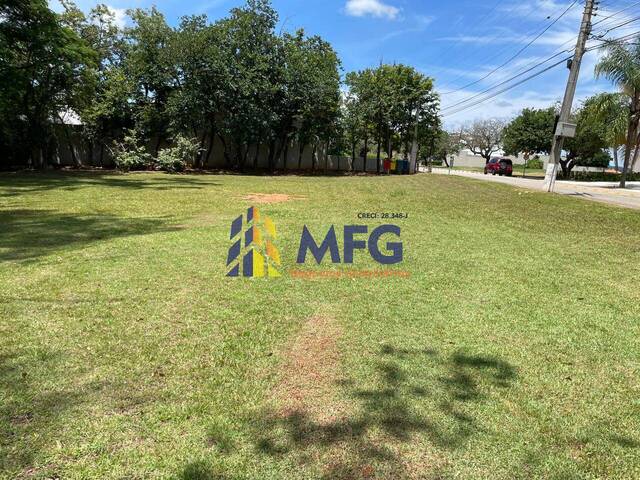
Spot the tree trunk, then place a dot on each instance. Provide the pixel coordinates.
(567, 167)
(272, 154)
(101, 154)
(212, 137)
(200, 157)
(364, 157)
(286, 153)
(300, 153)
(313, 156)
(353, 156)
(326, 157)
(157, 149)
(280, 144)
(238, 152)
(90, 151)
(631, 132)
(74, 157)
(636, 155)
(378, 154)
(225, 152)
(256, 156)
(245, 155)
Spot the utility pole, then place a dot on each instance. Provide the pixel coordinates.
(413, 161)
(564, 128)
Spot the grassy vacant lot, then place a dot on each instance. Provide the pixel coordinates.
(512, 351)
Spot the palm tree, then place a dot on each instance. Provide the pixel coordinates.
(621, 65)
(611, 110)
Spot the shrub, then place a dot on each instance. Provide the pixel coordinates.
(130, 155)
(599, 159)
(176, 158)
(435, 162)
(603, 177)
(535, 162)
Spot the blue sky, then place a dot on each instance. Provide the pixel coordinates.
(457, 42)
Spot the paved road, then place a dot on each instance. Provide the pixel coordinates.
(606, 192)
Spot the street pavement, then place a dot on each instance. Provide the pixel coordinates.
(605, 192)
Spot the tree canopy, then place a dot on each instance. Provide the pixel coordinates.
(235, 81)
(621, 65)
(530, 132)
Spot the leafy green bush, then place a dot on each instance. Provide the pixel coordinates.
(435, 162)
(130, 155)
(176, 158)
(599, 159)
(603, 177)
(535, 162)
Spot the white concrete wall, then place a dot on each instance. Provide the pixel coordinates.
(467, 159)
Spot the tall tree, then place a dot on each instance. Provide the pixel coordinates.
(151, 65)
(530, 132)
(621, 65)
(390, 104)
(484, 137)
(107, 112)
(586, 147)
(44, 69)
(610, 109)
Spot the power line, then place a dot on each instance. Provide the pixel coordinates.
(481, 20)
(616, 13)
(531, 42)
(493, 56)
(524, 80)
(519, 74)
(530, 77)
(618, 26)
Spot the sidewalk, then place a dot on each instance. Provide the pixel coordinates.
(605, 192)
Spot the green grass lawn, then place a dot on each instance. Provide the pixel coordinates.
(512, 351)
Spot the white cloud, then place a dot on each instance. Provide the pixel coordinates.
(119, 15)
(374, 8)
(545, 10)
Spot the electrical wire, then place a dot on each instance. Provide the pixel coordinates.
(530, 77)
(616, 13)
(513, 57)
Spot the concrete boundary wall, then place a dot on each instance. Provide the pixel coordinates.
(100, 155)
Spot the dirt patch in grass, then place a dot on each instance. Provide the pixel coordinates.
(265, 198)
(310, 370)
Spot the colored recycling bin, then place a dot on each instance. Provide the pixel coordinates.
(393, 166)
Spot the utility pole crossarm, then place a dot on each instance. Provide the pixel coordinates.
(569, 94)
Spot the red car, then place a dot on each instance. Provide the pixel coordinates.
(499, 166)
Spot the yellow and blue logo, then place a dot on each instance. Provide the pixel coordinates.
(253, 252)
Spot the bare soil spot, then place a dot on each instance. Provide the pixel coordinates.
(310, 371)
(265, 198)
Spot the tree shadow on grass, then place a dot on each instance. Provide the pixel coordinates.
(14, 184)
(32, 415)
(38, 412)
(28, 234)
(432, 404)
